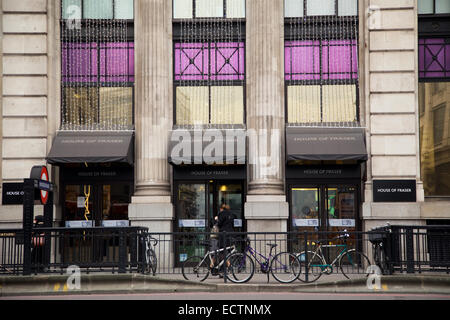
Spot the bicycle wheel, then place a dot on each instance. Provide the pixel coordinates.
(240, 267)
(285, 267)
(354, 264)
(152, 261)
(313, 270)
(195, 268)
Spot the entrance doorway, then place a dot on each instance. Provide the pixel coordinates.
(97, 202)
(197, 203)
(324, 207)
(323, 210)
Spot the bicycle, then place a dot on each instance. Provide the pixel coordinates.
(314, 263)
(283, 266)
(198, 268)
(381, 259)
(150, 260)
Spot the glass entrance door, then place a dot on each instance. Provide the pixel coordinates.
(96, 203)
(197, 203)
(321, 208)
(324, 207)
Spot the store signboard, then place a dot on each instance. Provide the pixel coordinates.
(12, 193)
(394, 191)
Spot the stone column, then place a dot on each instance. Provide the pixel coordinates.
(391, 96)
(266, 208)
(151, 204)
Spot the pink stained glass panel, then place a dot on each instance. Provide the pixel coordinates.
(227, 61)
(209, 61)
(434, 58)
(93, 62)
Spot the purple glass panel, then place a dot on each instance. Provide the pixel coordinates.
(302, 61)
(80, 62)
(209, 61)
(114, 62)
(337, 58)
(434, 58)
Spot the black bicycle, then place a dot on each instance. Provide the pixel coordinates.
(150, 262)
(378, 238)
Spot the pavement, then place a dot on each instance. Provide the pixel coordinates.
(104, 283)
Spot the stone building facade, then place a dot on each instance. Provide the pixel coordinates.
(388, 114)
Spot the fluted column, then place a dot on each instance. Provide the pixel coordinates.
(265, 95)
(266, 208)
(153, 95)
(151, 204)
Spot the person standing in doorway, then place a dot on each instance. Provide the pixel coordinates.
(226, 224)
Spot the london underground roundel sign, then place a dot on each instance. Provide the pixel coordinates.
(44, 176)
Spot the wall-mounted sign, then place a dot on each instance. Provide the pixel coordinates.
(12, 193)
(394, 191)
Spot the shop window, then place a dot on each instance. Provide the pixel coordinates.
(209, 83)
(435, 138)
(97, 65)
(97, 9)
(321, 77)
(301, 8)
(190, 9)
(434, 86)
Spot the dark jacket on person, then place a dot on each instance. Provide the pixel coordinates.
(226, 221)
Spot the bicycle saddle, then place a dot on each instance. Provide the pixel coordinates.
(271, 245)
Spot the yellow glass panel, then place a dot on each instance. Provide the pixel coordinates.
(227, 105)
(192, 105)
(339, 103)
(303, 104)
(81, 106)
(434, 102)
(116, 107)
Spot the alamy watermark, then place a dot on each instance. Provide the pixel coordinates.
(374, 279)
(74, 280)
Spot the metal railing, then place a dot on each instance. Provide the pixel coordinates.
(414, 249)
(405, 248)
(97, 249)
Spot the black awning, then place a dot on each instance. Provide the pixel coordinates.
(325, 144)
(207, 146)
(91, 147)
